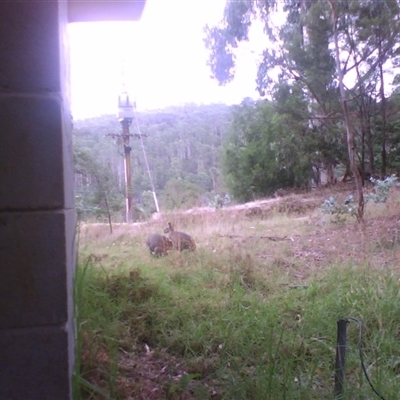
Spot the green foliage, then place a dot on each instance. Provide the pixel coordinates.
(261, 155)
(201, 179)
(322, 142)
(349, 206)
(180, 194)
(381, 189)
(220, 201)
(221, 40)
(339, 210)
(149, 206)
(221, 66)
(97, 195)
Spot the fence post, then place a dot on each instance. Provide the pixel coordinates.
(340, 358)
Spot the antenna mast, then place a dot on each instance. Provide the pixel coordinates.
(126, 114)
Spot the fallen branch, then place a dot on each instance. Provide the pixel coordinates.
(273, 238)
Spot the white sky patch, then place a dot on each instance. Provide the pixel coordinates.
(163, 56)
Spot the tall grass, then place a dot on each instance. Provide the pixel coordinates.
(235, 335)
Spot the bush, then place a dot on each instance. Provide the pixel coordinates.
(349, 206)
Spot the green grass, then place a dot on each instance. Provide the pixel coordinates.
(235, 334)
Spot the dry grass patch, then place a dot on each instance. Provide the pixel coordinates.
(298, 246)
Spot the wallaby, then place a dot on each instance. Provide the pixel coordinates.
(158, 244)
(181, 241)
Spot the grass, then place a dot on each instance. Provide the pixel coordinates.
(227, 322)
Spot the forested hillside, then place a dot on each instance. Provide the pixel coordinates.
(183, 146)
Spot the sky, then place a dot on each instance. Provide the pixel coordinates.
(161, 59)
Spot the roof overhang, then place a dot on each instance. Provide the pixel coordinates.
(108, 10)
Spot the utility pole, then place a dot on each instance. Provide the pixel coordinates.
(126, 122)
(125, 116)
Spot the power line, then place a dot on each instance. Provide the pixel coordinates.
(146, 162)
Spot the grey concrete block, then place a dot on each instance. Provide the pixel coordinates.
(71, 254)
(32, 158)
(30, 46)
(35, 364)
(68, 162)
(36, 268)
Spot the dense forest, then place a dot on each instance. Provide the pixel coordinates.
(330, 100)
(182, 146)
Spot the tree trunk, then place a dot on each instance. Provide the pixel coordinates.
(351, 147)
(370, 140)
(214, 177)
(362, 117)
(103, 193)
(383, 109)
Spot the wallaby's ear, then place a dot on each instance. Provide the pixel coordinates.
(169, 225)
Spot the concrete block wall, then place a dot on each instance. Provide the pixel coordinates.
(37, 216)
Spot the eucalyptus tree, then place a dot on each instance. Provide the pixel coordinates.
(331, 49)
(365, 35)
(346, 113)
(297, 57)
(378, 32)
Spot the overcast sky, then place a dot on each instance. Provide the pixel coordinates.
(163, 56)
